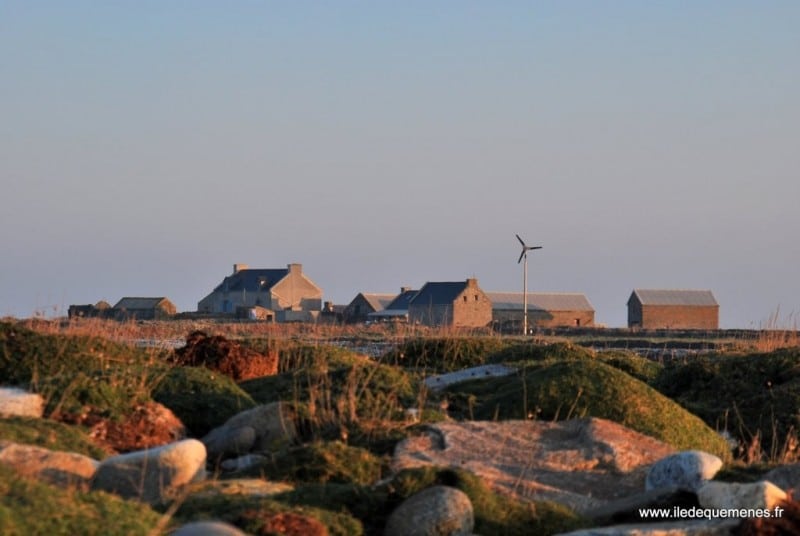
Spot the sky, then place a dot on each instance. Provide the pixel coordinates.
(146, 147)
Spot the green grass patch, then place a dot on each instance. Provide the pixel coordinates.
(438, 355)
(29, 507)
(585, 388)
(748, 394)
(49, 434)
(202, 399)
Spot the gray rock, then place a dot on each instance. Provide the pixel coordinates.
(67, 469)
(153, 475)
(761, 494)
(700, 527)
(264, 429)
(242, 462)
(626, 510)
(685, 470)
(435, 383)
(435, 511)
(15, 402)
(208, 528)
(786, 477)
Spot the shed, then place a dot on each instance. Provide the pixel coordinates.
(545, 309)
(673, 309)
(130, 308)
(451, 303)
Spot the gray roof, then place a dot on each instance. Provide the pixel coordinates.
(252, 280)
(400, 303)
(540, 301)
(139, 303)
(699, 298)
(439, 293)
(378, 302)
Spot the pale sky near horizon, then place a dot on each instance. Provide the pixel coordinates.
(145, 147)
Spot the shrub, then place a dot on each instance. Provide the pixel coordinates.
(752, 396)
(436, 355)
(200, 398)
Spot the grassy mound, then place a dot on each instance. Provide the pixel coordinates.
(322, 462)
(72, 372)
(525, 351)
(30, 507)
(747, 395)
(49, 434)
(365, 390)
(200, 398)
(641, 368)
(585, 388)
(437, 355)
(259, 515)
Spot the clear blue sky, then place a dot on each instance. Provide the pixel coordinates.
(145, 147)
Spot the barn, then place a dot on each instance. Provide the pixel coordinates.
(545, 309)
(673, 309)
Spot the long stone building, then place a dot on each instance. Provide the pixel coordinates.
(673, 309)
(454, 304)
(545, 309)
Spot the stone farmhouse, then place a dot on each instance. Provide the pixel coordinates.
(288, 293)
(454, 304)
(673, 309)
(545, 309)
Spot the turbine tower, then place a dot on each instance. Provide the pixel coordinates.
(524, 255)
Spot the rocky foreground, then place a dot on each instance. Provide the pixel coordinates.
(196, 454)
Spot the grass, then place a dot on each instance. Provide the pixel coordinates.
(581, 388)
(28, 508)
(49, 434)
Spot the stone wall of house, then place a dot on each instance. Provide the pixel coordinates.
(472, 308)
(679, 317)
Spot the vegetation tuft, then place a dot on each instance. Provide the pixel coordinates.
(49, 434)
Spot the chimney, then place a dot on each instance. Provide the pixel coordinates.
(403, 290)
(295, 267)
(472, 282)
(239, 267)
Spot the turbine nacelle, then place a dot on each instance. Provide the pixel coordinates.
(525, 249)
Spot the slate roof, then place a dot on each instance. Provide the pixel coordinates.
(378, 302)
(139, 303)
(400, 303)
(540, 301)
(439, 293)
(696, 298)
(250, 280)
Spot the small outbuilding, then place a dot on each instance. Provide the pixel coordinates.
(397, 310)
(129, 308)
(673, 309)
(453, 304)
(364, 304)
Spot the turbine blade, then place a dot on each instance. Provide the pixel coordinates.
(520, 256)
(521, 241)
(535, 247)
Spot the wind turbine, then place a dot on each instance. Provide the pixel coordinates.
(524, 255)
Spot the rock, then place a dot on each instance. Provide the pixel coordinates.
(699, 527)
(438, 382)
(786, 477)
(264, 429)
(760, 494)
(152, 475)
(243, 462)
(435, 511)
(582, 463)
(208, 528)
(627, 509)
(685, 470)
(66, 469)
(226, 357)
(15, 402)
